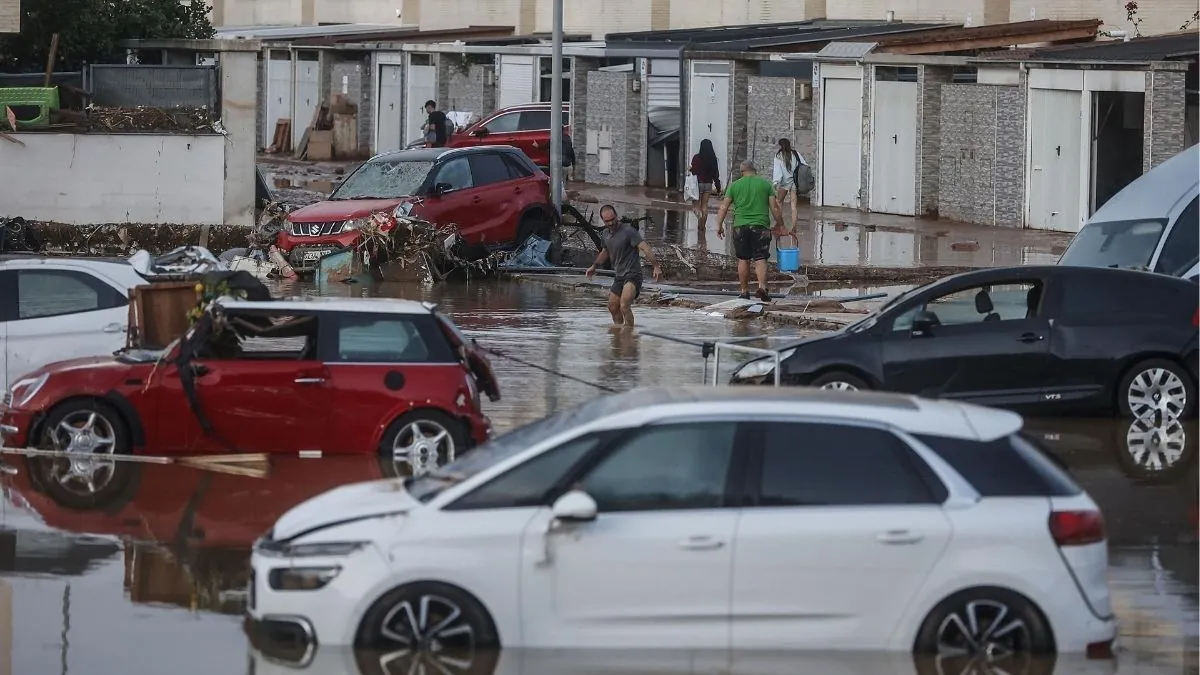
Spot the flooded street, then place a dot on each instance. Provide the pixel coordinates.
(153, 582)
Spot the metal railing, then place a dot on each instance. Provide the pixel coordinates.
(713, 348)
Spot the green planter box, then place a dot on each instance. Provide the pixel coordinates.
(31, 105)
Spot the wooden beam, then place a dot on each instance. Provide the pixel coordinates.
(991, 42)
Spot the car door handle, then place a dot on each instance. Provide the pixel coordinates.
(309, 380)
(475, 199)
(517, 189)
(1030, 337)
(701, 544)
(898, 537)
(114, 328)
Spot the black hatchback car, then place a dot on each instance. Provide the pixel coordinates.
(1035, 338)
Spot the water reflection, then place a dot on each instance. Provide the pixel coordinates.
(903, 243)
(649, 662)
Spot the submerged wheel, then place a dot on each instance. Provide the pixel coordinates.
(984, 629)
(535, 224)
(92, 431)
(420, 441)
(839, 381)
(427, 627)
(1157, 389)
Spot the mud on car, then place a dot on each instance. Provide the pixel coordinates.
(394, 378)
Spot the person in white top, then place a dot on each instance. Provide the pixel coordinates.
(786, 159)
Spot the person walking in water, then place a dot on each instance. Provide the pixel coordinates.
(753, 200)
(707, 171)
(625, 247)
(784, 175)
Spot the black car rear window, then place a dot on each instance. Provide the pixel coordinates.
(1011, 466)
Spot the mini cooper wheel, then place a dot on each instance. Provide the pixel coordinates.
(427, 627)
(1157, 389)
(985, 629)
(92, 432)
(840, 381)
(419, 442)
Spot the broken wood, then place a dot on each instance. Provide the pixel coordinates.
(281, 141)
(51, 59)
(302, 147)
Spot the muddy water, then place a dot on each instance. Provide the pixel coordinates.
(152, 581)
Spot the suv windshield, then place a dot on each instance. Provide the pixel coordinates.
(383, 179)
(425, 487)
(1127, 244)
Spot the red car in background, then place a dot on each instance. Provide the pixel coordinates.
(525, 127)
(392, 378)
(494, 194)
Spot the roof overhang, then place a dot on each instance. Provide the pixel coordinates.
(961, 39)
(1083, 65)
(238, 45)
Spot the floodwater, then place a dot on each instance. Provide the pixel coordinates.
(153, 582)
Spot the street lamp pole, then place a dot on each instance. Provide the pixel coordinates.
(556, 116)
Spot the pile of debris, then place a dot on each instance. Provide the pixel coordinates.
(147, 118)
(332, 133)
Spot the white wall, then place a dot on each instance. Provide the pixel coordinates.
(114, 178)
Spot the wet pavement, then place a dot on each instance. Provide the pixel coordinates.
(153, 581)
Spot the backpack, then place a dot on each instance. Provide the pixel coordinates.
(802, 177)
(450, 127)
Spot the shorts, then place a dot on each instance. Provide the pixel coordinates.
(706, 188)
(751, 242)
(785, 184)
(618, 285)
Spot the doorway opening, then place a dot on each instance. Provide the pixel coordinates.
(1118, 118)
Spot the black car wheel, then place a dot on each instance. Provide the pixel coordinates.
(91, 431)
(1157, 389)
(839, 381)
(427, 627)
(984, 628)
(419, 442)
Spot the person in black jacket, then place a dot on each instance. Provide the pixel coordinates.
(435, 126)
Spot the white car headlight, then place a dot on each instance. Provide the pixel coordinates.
(760, 367)
(350, 225)
(323, 549)
(24, 390)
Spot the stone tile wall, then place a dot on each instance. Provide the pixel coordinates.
(1166, 114)
(929, 127)
(260, 117)
(774, 111)
(982, 154)
(351, 75)
(466, 90)
(739, 139)
(614, 109)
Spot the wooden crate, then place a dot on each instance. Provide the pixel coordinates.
(158, 313)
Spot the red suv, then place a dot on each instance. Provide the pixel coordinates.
(335, 375)
(525, 127)
(494, 194)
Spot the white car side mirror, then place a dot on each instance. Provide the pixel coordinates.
(575, 506)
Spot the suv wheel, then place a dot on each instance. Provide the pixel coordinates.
(840, 381)
(420, 441)
(990, 627)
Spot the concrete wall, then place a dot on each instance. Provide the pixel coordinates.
(1166, 118)
(614, 110)
(774, 111)
(87, 179)
(982, 157)
(239, 116)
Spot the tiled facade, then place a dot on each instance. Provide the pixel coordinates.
(615, 113)
(463, 85)
(350, 75)
(739, 146)
(1164, 135)
(774, 111)
(929, 124)
(982, 154)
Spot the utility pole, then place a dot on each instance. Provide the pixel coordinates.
(556, 118)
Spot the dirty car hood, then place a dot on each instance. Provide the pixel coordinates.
(343, 505)
(342, 209)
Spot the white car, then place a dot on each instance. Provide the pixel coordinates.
(53, 309)
(707, 518)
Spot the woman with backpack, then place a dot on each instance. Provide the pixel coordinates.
(787, 163)
(707, 171)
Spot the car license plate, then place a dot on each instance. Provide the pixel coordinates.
(317, 254)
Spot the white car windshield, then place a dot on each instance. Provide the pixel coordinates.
(425, 487)
(1127, 244)
(383, 179)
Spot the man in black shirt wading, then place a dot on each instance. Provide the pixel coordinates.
(625, 248)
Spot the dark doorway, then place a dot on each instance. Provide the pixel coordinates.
(1117, 121)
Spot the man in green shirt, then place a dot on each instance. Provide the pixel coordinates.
(754, 202)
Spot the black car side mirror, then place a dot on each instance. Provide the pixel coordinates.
(480, 132)
(923, 323)
(440, 189)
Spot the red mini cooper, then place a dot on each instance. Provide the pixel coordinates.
(335, 375)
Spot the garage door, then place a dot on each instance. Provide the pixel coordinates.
(306, 94)
(841, 131)
(279, 92)
(1055, 123)
(421, 87)
(389, 131)
(516, 80)
(708, 112)
(894, 148)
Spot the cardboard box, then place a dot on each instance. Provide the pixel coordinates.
(320, 146)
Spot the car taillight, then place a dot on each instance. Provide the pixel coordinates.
(1076, 528)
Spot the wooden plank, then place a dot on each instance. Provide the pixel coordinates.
(302, 147)
(994, 42)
